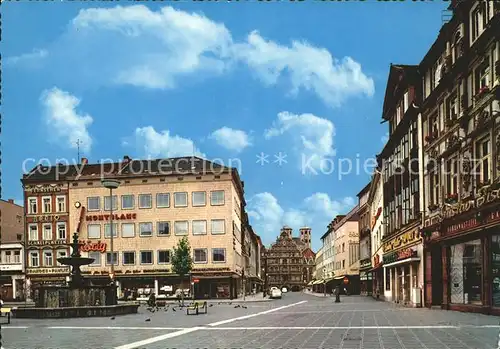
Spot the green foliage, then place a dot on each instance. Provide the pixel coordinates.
(182, 262)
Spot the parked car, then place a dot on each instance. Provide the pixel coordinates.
(284, 290)
(276, 293)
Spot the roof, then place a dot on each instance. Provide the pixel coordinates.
(365, 190)
(398, 74)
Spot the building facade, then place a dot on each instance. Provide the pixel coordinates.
(326, 269)
(461, 113)
(401, 171)
(365, 247)
(157, 203)
(346, 272)
(12, 279)
(377, 231)
(290, 260)
(252, 247)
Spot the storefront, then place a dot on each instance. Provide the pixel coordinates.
(377, 273)
(365, 277)
(403, 274)
(467, 241)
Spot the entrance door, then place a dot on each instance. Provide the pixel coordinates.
(437, 276)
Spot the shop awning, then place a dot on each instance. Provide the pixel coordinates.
(317, 282)
(378, 267)
(339, 277)
(328, 280)
(403, 261)
(310, 283)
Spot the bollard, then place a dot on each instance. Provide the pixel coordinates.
(337, 298)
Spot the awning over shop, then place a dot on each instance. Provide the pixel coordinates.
(403, 261)
(310, 283)
(328, 280)
(378, 267)
(317, 282)
(339, 277)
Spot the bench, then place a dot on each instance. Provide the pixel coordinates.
(196, 307)
(6, 312)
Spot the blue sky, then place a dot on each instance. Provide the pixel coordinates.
(230, 80)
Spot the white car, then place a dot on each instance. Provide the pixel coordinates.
(275, 293)
(284, 290)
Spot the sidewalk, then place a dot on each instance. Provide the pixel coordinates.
(316, 294)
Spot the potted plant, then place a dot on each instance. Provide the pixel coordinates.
(451, 198)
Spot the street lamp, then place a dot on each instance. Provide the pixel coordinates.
(111, 184)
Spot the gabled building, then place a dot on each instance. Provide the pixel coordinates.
(401, 166)
(461, 128)
(365, 247)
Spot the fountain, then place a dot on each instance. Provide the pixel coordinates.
(79, 298)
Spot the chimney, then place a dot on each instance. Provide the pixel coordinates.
(11, 201)
(85, 161)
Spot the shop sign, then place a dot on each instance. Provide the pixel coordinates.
(49, 188)
(106, 217)
(210, 269)
(402, 240)
(90, 246)
(45, 218)
(375, 218)
(196, 281)
(47, 242)
(472, 223)
(376, 261)
(400, 255)
(462, 207)
(55, 270)
(365, 263)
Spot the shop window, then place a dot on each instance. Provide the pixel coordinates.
(128, 230)
(164, 257)
(128, 202)
(32, 206)
(387, 279)
(495, 266)
(107, 230)
(199, 227)
(129, 258)
(94, 231)
(200, 255)
(163, 229)
(218, 226)
(97, 258)
(145, 201)
(219, 255)
(93, 203)
(107, 204)
(146, 229)
(146, 257)
(217, 198)
(111, 258)
(199, 198)
(181, 227)
(180, 200)
(466, 272)
(162, 200)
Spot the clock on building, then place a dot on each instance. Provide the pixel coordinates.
(78, 204)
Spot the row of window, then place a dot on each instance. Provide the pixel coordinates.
(200, 255)
(145, 201)
(47, 231)
(10, 257)
(163, 228)
(46, 204)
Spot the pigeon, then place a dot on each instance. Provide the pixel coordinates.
(147, 320)
(237, 306)
(219, 303)
(112, 318)
(244, 307)
(230, 303)
(173, 309)
(211, 305)
(166, 309)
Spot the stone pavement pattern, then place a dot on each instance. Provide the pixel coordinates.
(357, 322)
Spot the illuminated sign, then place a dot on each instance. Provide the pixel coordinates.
(472, 223)
(400, 255)
(116, 217)
(89, 246)
(55, 270)
(402, 240)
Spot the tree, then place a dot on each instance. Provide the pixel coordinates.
(182, 262)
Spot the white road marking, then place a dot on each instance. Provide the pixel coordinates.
(254, 315)
(113, 328)
(157, 339)
(14, 327)
(189, 330)
(344, 327)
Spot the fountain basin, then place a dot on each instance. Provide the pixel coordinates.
(75, 261)
(73, 312)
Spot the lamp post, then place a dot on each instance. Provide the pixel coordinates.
(111, 184)
(324, 283)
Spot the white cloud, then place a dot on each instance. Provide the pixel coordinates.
(309, 68)
(156, 49)
(267, 216)
(66, 123)
(231, 139)
(312, 135)
(163, 144)
(35, 55)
